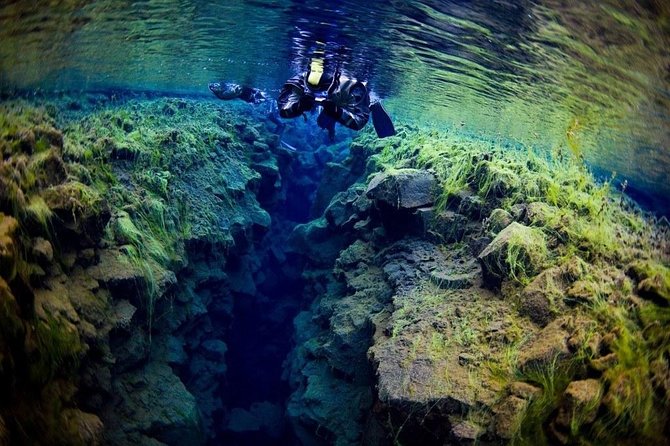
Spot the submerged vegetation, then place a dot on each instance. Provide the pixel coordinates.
(601, 269)
(97, 210)
(511, 297)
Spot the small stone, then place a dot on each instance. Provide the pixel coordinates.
(465, 359)
(529, 251)
(549, 344)
(42, 251)
(581, 399)
(605, 362)
(583, 291)
(69, 259)
(467, 431)
(403, 188)
(508, 414)
(87, 257)
(443, 227)
(498, 220)
(539, 213)
(541, 299)
(524, 390)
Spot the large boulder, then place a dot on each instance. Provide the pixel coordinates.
(542, 299)
(517, 252)
(403, 188)
(550, 344)
(581, 401)
(154, 402)
(8, 247)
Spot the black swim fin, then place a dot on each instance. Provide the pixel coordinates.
(381, 120)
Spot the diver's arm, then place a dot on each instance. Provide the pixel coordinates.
(355, 120)
(252, 95)
(293, 100)
(349, 105)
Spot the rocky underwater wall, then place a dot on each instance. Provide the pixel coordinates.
(130, 229)
(159, 258)
(468, 294)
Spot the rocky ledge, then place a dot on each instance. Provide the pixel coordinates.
(468, 295)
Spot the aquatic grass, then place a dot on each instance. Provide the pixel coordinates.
(58, 346)
(527, 254)
(38, 211)
(573, 215)
(552, 378)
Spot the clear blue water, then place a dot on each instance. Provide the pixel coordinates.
(589, 77)
(523, 70)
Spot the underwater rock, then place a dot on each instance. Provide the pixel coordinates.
(538, 213)
(116, 272)
(496, 179)
(81, 426)
(318, 241)
(524, 390)
(48, 168)
(443, 227)
(516, 252)
(465, 431)
(123, 314)
(457, 273)
(653, 280)
(580, 404)
(549, 345)
(542, 299)
(467, 203)
(508, 414)
(336, 178)
(358, 252)
(498, 220)
(403, 188)
(80, 210)
(342, 209)
(49, 134)
(583, 291)
(153, 401)
(8, 249)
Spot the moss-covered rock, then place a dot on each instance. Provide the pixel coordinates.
(8, 246)
(403, 188)
(653, 280)
(518, 252)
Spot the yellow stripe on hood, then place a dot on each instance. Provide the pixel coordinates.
(315, 72)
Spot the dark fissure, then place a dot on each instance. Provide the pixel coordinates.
(260, 329)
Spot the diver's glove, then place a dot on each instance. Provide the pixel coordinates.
(306, 101)
(331, 109)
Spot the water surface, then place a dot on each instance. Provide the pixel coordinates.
(588, 76)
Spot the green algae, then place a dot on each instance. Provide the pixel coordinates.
(146, 165)
(572, 216)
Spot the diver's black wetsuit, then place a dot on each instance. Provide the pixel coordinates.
(346, 102)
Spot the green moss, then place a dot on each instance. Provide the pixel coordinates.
(552, 378)
(38, 211)
(57, 349)
(526, 254)
(654, 280)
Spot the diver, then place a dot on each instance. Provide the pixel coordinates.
(342, 100)
(229, 90)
